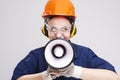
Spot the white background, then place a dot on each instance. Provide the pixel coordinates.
(98, 25)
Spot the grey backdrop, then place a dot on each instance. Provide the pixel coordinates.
(98, 24)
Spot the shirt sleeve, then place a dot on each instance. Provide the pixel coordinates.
(97, 62)
(26, 66)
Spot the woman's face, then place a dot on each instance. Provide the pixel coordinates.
(59, 27)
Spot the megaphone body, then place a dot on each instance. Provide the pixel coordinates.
(59, 53)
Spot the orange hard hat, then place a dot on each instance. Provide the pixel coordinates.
(59, 7)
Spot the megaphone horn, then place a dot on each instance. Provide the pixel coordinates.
(58, 53)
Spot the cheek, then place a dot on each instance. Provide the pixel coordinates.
(50, 36)
(67, 36)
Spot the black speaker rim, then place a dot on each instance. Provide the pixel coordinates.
(58, 45)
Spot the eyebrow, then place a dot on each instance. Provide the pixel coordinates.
(55, 26)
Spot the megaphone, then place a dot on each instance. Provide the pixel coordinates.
(58, 53)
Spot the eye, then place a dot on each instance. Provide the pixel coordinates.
(53, 29)
(65, 29)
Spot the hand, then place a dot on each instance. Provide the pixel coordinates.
(50, 74)
(46, 76)
(71, 71)
(54, 73)
(68, 71)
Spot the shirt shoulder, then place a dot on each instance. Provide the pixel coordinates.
(88, 58)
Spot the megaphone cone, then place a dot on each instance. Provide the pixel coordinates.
(58, 53)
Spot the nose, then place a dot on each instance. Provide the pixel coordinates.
(59, 35)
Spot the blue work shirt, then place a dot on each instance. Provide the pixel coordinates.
(35, 62)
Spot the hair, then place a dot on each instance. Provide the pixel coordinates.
(70, 18)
